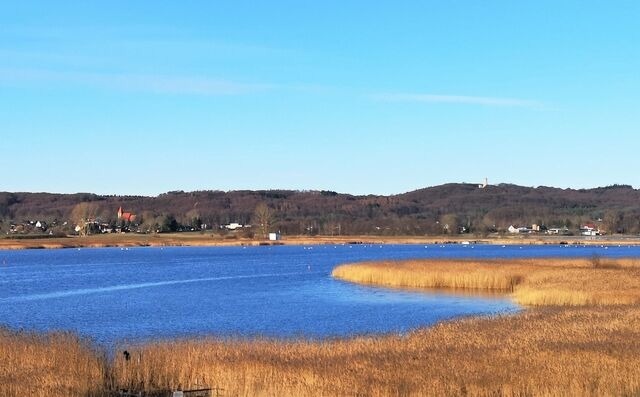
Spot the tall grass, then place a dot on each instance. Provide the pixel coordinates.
(536, 282)
(58, 364)
(575, 351)
(432, 274)
(584, 351)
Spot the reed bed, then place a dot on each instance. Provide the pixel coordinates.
(574, 351)
(577, 351)
(434, 274)
(58, 364)
(533, 282)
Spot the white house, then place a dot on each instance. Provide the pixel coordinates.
(233, 226)
(557, 230)
(515, 230)
(589, 230)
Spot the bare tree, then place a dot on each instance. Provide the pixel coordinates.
(263, 218)
(613, 221)
(450, 223)
(82, 214)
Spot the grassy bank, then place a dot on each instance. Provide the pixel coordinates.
(581, 346)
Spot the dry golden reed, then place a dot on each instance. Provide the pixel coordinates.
(535, 282)
(576, 351)
(435, 274)
(50, 365)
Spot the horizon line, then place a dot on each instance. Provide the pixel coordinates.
(613, 185)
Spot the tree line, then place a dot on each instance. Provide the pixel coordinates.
(444, 209)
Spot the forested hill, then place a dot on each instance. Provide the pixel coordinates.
(434, 210)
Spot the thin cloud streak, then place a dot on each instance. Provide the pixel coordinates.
(123, 36)
(205, 86)
(457, 99)
(157, 84)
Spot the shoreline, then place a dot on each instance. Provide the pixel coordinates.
(211, 240)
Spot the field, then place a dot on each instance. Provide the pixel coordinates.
(578, 338)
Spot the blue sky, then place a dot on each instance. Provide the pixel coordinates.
(142, 97)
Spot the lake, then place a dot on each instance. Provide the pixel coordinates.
(138, 294)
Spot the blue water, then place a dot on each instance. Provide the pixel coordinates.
(135, 294)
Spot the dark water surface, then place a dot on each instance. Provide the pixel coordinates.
(114, 294)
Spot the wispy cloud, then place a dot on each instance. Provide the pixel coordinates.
(159, 84)
(457, 99)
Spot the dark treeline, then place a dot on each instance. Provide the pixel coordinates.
(450, 208)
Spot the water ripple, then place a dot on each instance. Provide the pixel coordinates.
(121, 287)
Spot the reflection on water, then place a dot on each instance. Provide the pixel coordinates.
(472, 293)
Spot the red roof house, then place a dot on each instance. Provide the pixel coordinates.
(126, 216)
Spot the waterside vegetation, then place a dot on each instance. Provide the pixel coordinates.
(43, 365)
(533, 282)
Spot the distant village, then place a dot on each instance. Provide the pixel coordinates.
(589, 229)
(126, 223)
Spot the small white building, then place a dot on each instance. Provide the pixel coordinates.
(275, 236)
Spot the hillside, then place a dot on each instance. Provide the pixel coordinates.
(448, 208)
